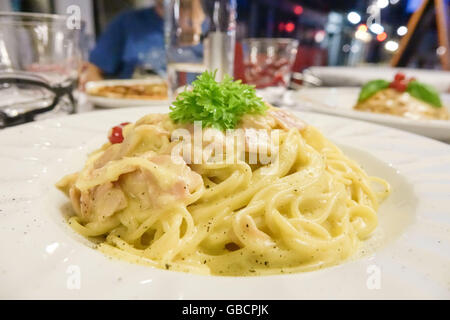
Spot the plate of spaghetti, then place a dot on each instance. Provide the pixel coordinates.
(404, 103)
(222, 190)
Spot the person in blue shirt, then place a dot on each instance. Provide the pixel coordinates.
(126, 39)
(134, 38)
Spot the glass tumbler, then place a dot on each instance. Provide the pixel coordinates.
(39, 62)
(268, 61)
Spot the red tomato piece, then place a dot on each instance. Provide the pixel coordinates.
(116, 135)
(399, 76)
(401, 86)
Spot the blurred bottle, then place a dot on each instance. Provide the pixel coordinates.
(200, 35)
(220, 42)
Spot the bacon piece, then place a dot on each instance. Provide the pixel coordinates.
(286, 119)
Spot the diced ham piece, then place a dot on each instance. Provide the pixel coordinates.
(100, 202)
(286, 120)
(175, 182)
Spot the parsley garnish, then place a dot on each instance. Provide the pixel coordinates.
(220, 105)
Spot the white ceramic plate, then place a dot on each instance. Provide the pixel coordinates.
(41, 257)
(351, 76)
(340, 102)
(122, 103)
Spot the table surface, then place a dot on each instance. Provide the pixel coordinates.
(83, 105)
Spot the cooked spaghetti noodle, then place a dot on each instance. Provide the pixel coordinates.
(309, 208)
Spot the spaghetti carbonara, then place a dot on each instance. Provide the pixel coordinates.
(309, 208)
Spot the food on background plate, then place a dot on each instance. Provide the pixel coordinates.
(403, 97)
(150, 91)
(281, 201)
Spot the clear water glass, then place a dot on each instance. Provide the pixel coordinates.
(39, 63)
(268, 61)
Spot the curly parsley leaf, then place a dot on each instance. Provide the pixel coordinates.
(372, 87)
(220, 105)
(425, 93)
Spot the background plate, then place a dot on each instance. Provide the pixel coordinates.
(122, 103)
(351, 76)
(340, 102)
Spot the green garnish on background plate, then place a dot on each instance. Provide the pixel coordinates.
(220, 105)
(425, 93)
(372, 87)
(415, 88)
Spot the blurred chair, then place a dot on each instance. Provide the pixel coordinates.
(417, 25)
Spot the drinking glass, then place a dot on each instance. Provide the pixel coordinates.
(268, 61)
(200, 36)
(39, 63)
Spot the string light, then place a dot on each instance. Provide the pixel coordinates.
(298, 10)
(402, 30)
(382, 36)
(441, 50)
(353, 17)
(362, 34)
(319, 36)
(354, 49)
(362, 27)
(382, 3)
(391, 46)
(289, 27)
(376, 28)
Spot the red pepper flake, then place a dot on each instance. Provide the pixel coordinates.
(116, 135)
